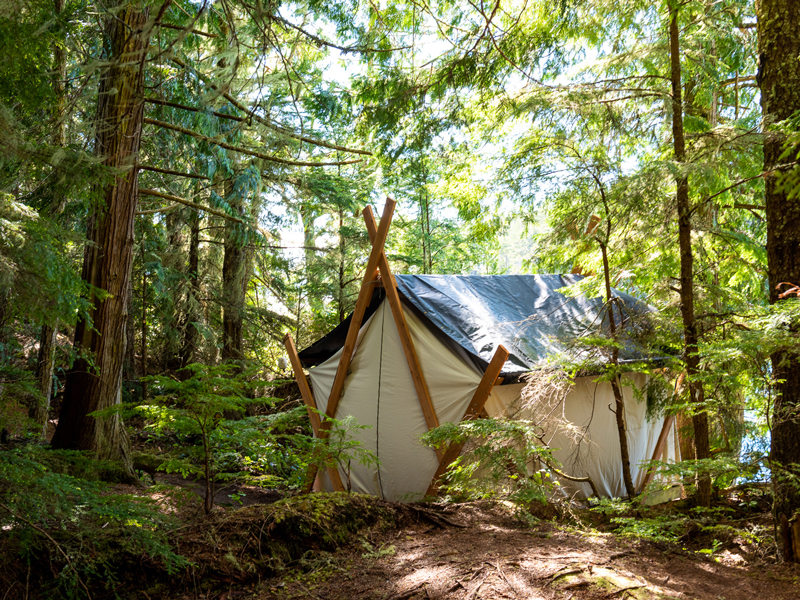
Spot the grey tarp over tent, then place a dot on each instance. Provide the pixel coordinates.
(456, 323)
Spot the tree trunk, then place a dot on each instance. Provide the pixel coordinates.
(175, 261)
(144, 326)
(45, 366)
(779, 80)
(94, 381)
(191, 335)
(234, 282)
(129, 372)
(341, 295)
(700, 417)
(619, 401)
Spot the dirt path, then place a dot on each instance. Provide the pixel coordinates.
(493, 557)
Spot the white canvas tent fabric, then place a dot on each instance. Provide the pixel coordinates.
(380, 394)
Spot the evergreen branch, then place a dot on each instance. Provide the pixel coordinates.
(196, 109)
(241, 150)
(263, 121)
(196, 206)
(742, 182)
(187, 30)
(168, 172)
(318, 40)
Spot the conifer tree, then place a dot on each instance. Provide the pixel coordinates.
(779, 80)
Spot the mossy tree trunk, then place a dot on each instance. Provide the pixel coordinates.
(94, 381)
(779, 80)
(234, 280)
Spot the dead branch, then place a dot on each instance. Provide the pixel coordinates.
(190, 204)
(187, 30)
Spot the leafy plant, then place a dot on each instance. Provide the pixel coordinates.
(498, 460)
(197, 410)
(340, 450)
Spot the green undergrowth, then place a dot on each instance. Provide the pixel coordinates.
(63, 531)
(66, 534)
(739, 522)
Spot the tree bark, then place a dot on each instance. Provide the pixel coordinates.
(700, 417)
(45, 366)
(234, 282)
(779, 80)
(191, 335)
(94, 381)
(175, 261)
(619, 400)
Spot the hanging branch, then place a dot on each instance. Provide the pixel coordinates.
(168, 172)
(239, 149)
(318, 40)
(190, 204)
(263, 121)
(195, 109)
(187, 30)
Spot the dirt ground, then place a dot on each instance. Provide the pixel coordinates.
(489, 554)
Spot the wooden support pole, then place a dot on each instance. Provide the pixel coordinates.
(661, 445)
(473, 411)
(311, 407)
(364, 297)
(390, 285)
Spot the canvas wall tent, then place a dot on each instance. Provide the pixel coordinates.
(422, 350)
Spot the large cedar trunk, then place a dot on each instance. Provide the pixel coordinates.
(94, 381)
(779, 80)
(700, 418)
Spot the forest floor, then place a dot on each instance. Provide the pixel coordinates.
(461, 552)
(491, 555)
(264, 544)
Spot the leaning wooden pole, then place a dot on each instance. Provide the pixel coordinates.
(311, 407)
(364, 297)
(473, 412)
(390, 285)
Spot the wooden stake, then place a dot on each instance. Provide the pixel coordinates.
(473, 411)
(390, 285)
(311, 407)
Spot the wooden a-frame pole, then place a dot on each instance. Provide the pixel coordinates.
(364, 297)
(311, 407)
(390, 285)
(473, 411)
(661, 445)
